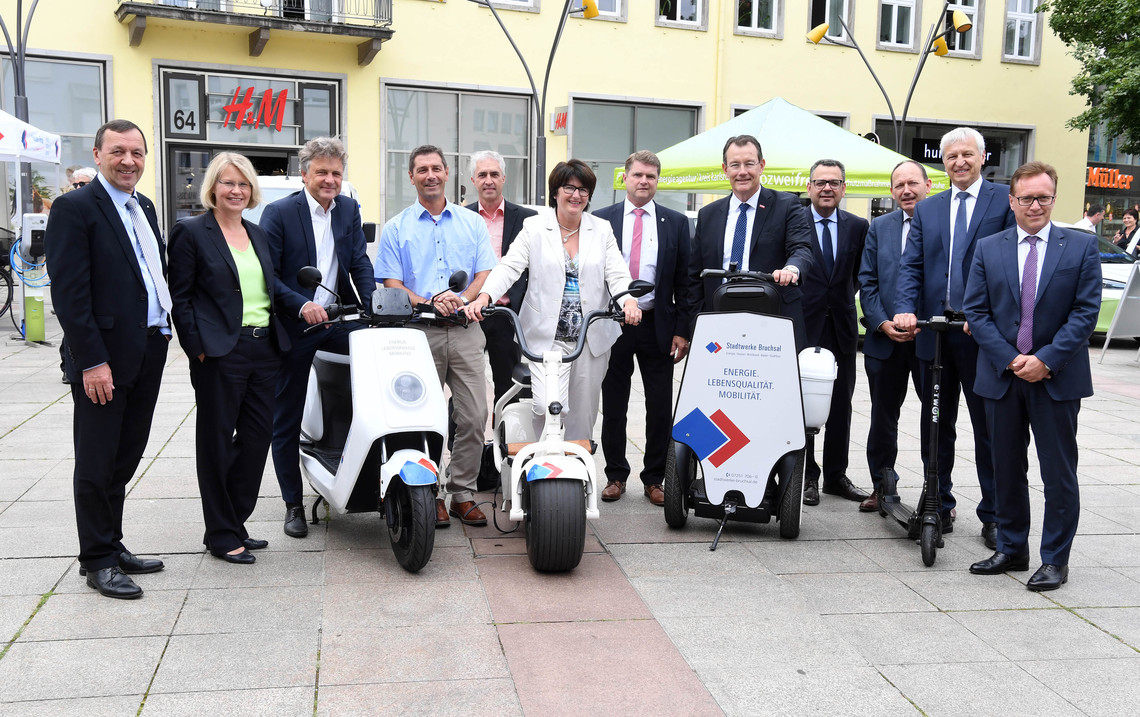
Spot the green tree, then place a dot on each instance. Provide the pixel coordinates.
(1105, 38)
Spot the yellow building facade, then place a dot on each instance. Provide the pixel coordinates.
(388, 75)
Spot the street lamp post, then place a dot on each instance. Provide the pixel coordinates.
(17, 53)
(935, 43)
(589, 10)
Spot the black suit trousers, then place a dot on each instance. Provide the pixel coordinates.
(959, 367)
(292, 386)
(887, 380)
(657, 379)
(502, 351)
(233, 432)
(1054, 425)
(109, 443)
(837, 430)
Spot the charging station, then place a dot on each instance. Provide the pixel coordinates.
(34, 275)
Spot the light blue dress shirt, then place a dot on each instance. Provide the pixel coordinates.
(424, 251)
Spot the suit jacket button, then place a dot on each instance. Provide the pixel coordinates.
(142, 324)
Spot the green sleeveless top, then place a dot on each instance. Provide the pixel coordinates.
(254, 294)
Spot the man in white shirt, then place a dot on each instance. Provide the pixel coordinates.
(1092, 217)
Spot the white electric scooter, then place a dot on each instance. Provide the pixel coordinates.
(550, 482)
(375, 420)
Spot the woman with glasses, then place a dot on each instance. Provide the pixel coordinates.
(221, 283)
(575, 267)
(1127, 236)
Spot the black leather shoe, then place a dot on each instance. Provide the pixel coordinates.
(947, 523)
(1048, 577)
(255, 544)
(844, 488)
(243, 558)
(989, 536)
(131, 564)
(811, 493)
(295, 525)
(999, 563)
(113, 583)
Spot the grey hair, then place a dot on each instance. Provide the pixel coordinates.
(484, 154)
(318, 147)
(829, 163)
(963, 134)
(87, 172)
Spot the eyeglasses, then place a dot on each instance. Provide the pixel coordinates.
(77, 185)
(570, 190)
(235, 185)
(1041, 201)
(825, 183)
(737, 166)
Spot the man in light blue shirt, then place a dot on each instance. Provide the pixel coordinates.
(420, 248)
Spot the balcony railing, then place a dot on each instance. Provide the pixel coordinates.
(360, 12)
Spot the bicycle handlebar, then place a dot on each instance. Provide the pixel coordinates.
(573, 355)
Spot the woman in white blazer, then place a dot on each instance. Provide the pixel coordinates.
(575, 267)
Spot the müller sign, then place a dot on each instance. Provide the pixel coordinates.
(1106, 178)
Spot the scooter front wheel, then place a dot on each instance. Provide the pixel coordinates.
(555, 524)
(680, 470)
(410, 513)
(929, 544)
(791, 494)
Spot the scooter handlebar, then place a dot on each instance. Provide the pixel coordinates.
(337, 313)
(738, 275)
(941, 323)
(591, 317)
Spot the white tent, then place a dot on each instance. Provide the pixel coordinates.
(21, 142)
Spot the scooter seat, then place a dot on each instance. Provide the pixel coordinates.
(521, 374)
(514, 448)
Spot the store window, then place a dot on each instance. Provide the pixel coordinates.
(830, 11)
(459, 123)
(759, 17)
(1022, 42)
(1006, 148)
(687, 14)
(629, 127)
(65, 97)
(896, 24)
(965, 44)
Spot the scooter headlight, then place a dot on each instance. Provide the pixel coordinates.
(408, 388)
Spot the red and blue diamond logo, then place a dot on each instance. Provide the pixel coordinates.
(713, 347)
(713, 437)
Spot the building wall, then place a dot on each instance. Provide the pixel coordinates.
(457, 43)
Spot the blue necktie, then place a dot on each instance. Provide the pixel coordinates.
(828, 251)
(957, 289)
(737, 256)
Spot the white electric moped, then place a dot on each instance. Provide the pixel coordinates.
(374, 424)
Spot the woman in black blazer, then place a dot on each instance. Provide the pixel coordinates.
(221, 283)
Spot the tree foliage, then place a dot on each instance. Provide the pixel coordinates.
(1105, 38)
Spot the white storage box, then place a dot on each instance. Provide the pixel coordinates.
(817, 374)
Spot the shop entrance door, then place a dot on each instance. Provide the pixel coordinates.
(186, 166)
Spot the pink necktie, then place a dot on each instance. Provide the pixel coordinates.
(635, 248)
(1028, 298)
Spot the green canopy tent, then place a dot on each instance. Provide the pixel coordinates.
(792, 139)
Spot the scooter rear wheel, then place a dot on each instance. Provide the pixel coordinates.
(680, 470)
(555, 524)
(410, 513)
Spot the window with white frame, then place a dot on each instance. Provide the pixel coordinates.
(758, 16)
(896, 24)
(964, 43)
(682, 13)
(531, 5)
(611, 9)
(830, 11)
(1020, 30)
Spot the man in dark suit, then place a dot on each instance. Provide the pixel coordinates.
(504, 221)
(888, 354)
(655, 243)
(932, 281)
(831, 320)
(105, 256)
(1032, 301)
(319, 227)
(769, 234)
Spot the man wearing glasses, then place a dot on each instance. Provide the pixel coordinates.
(1032, 300)
(831, 320)
(932, 282)
(757, 229)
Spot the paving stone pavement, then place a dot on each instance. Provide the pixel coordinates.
(843, 621)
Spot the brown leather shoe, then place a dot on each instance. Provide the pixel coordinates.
(441, 519)
(655, 494)
(467, 513)
(871, 504)
(613, 490)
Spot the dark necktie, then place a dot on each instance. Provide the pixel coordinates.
(957, 288)
(905, 234)
(1028, 298)
(828, 251)
(737, 256)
